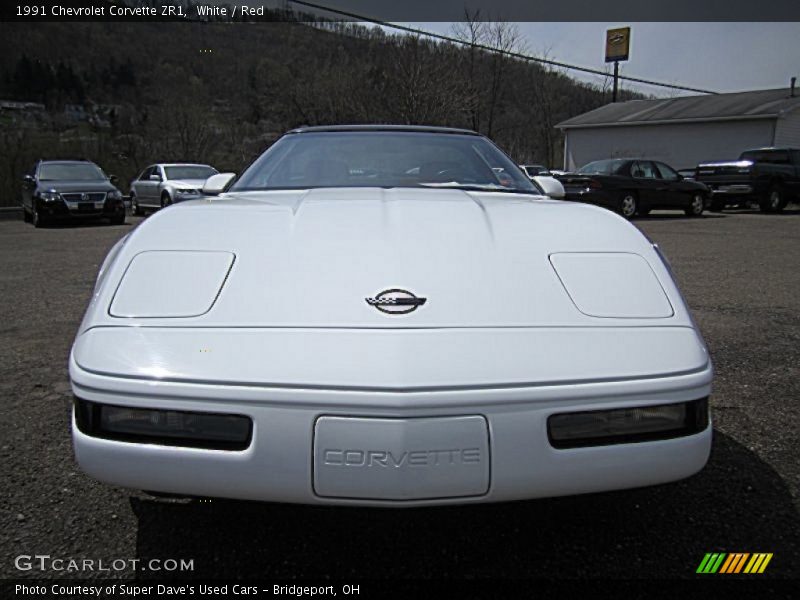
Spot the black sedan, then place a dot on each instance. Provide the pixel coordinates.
(635, 187)
(68, 189)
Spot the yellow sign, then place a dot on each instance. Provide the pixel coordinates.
(618, 43)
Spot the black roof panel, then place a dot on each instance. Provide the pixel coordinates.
(378, 127)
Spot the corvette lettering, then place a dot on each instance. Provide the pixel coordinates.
(410, 458)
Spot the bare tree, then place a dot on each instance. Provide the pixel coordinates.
(505, 38)
(545, 98)
(607, 83)
(422, 88)
(473, 32)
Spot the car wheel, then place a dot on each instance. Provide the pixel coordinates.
(165, 200)
(118, 219)
(38, 219)
(135, 208)
(775, 200)
(629, 206)
(697, 206)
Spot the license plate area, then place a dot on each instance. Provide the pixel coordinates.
(401, 459)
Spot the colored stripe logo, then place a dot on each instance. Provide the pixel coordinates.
(734, 562)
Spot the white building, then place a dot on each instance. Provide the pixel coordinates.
(684, 131)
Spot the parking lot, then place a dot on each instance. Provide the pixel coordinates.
(740, 273)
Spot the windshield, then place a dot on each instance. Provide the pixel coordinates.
(602, 167)
(70, 172)
(384, 159)
(190, 172)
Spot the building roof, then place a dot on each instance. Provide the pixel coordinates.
(760, 104)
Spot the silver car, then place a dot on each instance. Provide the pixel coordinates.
(534, 170)
(163, 184)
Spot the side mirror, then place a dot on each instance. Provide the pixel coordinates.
(155, 178)
(552, 187)
(113, 179)
(29, 179)
(216, 184)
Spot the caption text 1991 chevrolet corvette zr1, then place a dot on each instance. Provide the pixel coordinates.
(387, 316)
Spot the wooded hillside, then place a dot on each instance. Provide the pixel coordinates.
(128, 94)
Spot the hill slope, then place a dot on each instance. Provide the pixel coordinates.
(126, 94)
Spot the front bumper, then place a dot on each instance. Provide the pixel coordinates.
(279, 464)
(176, 198)
(733, 190)
(60, 209)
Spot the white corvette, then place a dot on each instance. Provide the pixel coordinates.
(390, 316)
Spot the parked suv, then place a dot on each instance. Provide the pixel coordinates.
(67, 189)
(167, 183)
(769, 176)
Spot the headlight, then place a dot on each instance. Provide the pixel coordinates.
(164, 427)
(50, 196)
(180, 192)
(618, 285)
(115, 195)
(189, 284)
(627, 425)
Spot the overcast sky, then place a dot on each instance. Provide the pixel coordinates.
(722, 57)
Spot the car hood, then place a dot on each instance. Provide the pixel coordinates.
(312, 258)
(77, 186)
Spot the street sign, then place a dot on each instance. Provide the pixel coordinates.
(618, 42)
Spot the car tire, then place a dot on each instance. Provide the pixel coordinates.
(696, 207)
(774, 201)
(165, 200)
(118, 219)
(629, 205)
(38, 219)
(135, 208)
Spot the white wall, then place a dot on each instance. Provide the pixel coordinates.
(787, 132)
(682, 146)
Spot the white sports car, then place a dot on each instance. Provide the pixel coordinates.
(390, 316)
